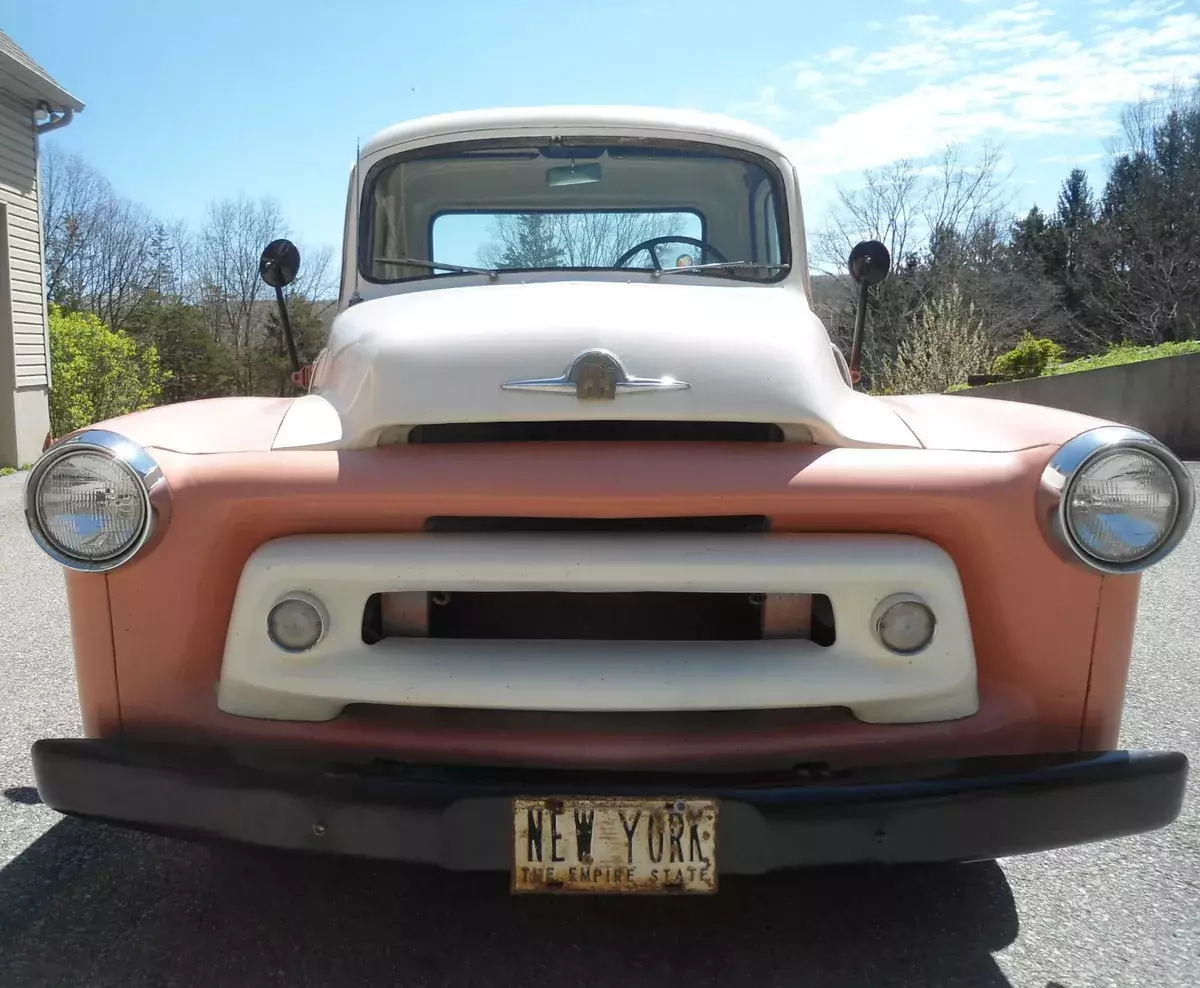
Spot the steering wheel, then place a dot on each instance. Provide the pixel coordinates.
(649, 245)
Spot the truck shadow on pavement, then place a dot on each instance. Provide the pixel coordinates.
(92, 905)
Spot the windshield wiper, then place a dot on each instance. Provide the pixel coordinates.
(438, 266)
(718, 266)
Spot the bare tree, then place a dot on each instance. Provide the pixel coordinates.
(176, 273)
(99, 245)
(945, 222)
(71, 191)
(228, 249)
(965, 198)
(884, 209)
(597, 239)
(576, 240)
(318, 277)
(120, 262)
(1142, 121)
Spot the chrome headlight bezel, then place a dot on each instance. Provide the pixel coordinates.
(1066, 466)
(156, 496)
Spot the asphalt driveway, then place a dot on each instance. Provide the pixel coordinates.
(89, 905)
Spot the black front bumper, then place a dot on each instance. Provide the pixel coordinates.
(460, 818)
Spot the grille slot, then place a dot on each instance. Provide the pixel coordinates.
(616, 616)
(595, 431)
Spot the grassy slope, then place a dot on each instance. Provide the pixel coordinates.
(1126, 354)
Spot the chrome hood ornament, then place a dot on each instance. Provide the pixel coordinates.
(596, 375)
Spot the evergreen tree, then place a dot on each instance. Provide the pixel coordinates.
(534, 244)
(194, 365)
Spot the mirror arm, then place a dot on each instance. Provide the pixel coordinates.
(286, 324)
(868, 264)
(860, 320)
(278, 265)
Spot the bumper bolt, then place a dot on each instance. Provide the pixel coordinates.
(318, 829)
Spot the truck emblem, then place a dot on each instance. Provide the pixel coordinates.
(596, 375)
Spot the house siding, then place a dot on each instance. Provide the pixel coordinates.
(24, 341)
(19, 192)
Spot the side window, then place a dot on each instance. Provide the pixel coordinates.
(766, 224)
(769, 221)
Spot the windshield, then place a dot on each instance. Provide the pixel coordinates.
(644, 205)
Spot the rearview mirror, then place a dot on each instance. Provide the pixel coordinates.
(869, 262)
(573, 174)
(279, 264)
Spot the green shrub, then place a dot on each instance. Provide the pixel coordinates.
(943, 343)
(1031, 357)
(96, 372)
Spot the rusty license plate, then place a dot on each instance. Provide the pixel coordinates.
(615, 845)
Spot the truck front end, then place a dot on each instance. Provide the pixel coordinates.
(583, 559)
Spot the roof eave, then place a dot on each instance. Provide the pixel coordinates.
(38, 87)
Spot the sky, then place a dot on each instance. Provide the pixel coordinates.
(191, 102)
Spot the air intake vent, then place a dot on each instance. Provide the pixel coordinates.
(581, 616)
(596, 431)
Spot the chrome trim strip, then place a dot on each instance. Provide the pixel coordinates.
(572, 380)
(156, 496)
(1064, 467)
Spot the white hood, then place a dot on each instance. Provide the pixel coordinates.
(442, 355)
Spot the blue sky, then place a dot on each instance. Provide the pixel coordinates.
(194, 101)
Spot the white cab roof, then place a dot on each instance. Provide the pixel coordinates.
(579, 120)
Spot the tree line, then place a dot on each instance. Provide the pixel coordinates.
(144, 311)
(971, 279)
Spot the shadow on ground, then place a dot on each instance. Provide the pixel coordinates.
(92, 905)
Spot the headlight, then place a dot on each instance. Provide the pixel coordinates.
(1116, 499)
(95, 500)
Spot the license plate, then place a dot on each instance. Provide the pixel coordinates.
(615, 845)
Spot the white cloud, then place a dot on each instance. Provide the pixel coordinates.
(765, 107)
(917, 56)
(1138, 10)
(843, 54)
(1002, 74)
(808, 77)
(1070, 159)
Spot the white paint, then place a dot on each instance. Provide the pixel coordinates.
(310, 422)
(750, 353)
(856, 572)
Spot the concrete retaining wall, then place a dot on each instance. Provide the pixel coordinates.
(1161, 397)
